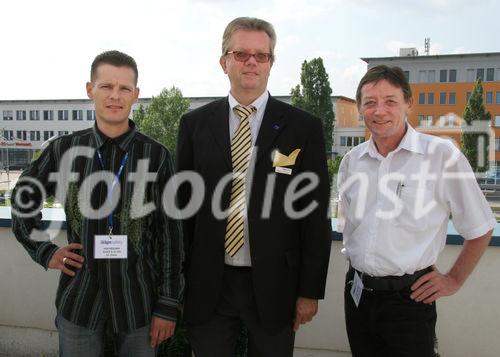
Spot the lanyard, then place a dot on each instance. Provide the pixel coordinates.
(115, 182)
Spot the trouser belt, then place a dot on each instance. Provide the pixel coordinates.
(387, 283)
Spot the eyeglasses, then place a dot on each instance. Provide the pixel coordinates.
(241, 56)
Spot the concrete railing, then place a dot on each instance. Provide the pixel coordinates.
(468, 322)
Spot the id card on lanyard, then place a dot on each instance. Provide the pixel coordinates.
(109, 246)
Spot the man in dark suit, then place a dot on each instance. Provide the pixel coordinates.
(263, 162)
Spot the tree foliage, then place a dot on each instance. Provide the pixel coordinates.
(475, 125)
(160, 120)
(313, 94)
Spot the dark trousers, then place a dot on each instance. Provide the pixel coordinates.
(389, 323)
(218, 336)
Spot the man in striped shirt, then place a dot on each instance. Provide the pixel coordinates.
(122, 264)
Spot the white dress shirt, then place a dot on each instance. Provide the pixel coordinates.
(242, 256)
(394, 210)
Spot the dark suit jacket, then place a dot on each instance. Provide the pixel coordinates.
(289, 256)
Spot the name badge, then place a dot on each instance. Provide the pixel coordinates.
(283, 170)
(356, 289)
(110, 247)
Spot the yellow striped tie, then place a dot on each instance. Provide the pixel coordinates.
(241, 145)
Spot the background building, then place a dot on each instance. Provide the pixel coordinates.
(349, 130)
(441, 86)
(27, 125)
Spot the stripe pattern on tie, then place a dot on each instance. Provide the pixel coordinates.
(241, 146)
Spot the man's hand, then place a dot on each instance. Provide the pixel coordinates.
(431, 286)
(305, 309)
(161, 330)
(64, 257)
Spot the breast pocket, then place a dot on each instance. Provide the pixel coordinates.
(417, 205)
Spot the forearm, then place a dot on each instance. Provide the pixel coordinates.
(469, 257)
(27, 200)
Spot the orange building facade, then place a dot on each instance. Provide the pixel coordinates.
(441, 86)
(349, 130)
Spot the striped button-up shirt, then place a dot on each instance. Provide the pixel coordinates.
(130, 291)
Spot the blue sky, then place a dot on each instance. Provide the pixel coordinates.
(47, 46)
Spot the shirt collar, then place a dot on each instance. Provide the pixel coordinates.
(410, 142)
(123, 141)
(258, 103)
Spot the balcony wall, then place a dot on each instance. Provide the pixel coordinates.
(468, 322)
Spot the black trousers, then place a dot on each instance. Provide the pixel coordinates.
(389, 323)
(218, 336)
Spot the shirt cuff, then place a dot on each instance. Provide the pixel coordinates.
(167, 309)
(45, 253)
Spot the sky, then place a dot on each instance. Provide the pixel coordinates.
(47, 46)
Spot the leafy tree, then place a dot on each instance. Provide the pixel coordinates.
(313, 94)
(161, 118)
(139, 115)
(475, 130)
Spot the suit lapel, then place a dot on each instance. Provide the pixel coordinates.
(219, 126)
(272, 124)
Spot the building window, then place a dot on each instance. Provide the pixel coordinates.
(20, 114)
(8, 115)
(452, 98)
(422, 76)
(425, 121)
(467, 97)
(48, 115)
(442, 98)
(497, 121)
(8, 134)
(349, 141)
(62, 115)
(430, 98)
(451, 120)
(34, 115)
(407, 75)
(470, 75)
(343, 141)
(421, 98)
(480, 74)
(489, 97)
(442, 75)
(61, 133)
(453, 75)
(47, 134)
(442, 121)
(90, 114)
(497, 144)
(490, 74)
(498, 98)
(34, 135)
(431, 76)
(21, 135)
(421, 120)
(77, 114)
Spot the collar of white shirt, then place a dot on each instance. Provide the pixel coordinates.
(410, 142)
(258, 103)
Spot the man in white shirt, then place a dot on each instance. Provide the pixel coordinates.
(397, 191)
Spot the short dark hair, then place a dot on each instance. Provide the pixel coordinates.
(114, 58)
(393, 75)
